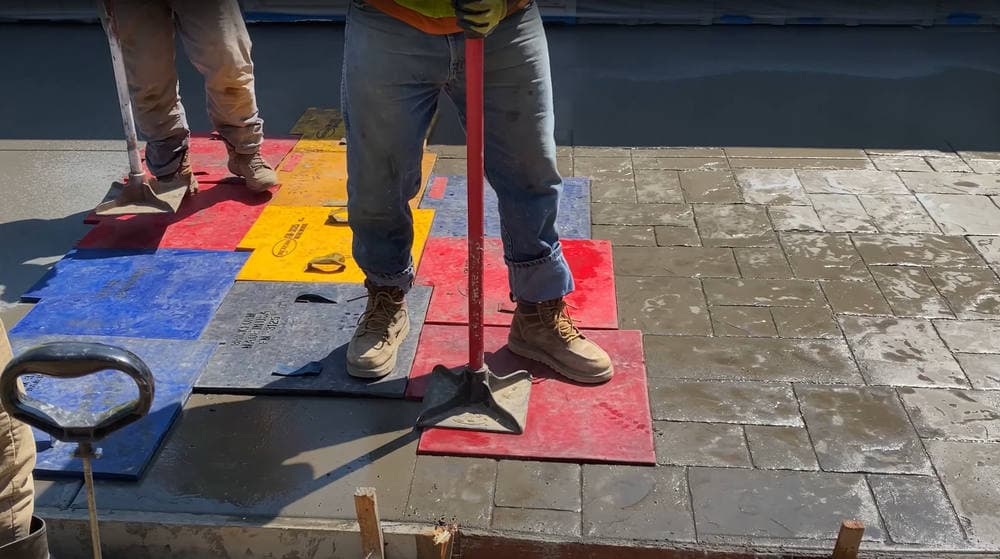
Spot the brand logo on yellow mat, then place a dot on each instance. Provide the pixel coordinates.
(289, 242)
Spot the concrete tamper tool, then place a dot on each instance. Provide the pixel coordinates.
(72, 360)
(473, 398)
(139, 194)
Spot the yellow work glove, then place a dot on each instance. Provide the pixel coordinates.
(479, 17)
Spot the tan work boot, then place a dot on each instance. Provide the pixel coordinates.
(544, 332)
(182, 177)
(383, 327)
(259, 176)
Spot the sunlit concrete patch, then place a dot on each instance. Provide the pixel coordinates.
(851, 182)
(956, 415)
(973, 293)
(970, 473)
(901, 352)
(868, 420)
(963, 215)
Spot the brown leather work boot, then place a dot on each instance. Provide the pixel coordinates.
(544, 332)
(259, 176)
(382, 328)
(182, 177)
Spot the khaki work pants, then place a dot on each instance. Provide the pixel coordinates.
(17, 460)
(216, 41)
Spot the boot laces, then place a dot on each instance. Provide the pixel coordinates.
(257, 162)
(382, 308)
(555, 315)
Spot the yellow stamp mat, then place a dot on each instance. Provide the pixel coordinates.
(299, 243)
(319, 178)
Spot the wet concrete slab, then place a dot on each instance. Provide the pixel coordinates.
(642, 214)
(676, 151)
(734, 225)
(989, 248)
(616, 190)
(628, 502)
(668, 235)
(870, 422)
(842, 213)
(951, 183)
(963, 215)
(748, 403)
(762, 263)
(598, 151)
(754, 322)
(757, 292)
(662, 305)
(970, 473)
(957, 415)
(901, 352)
(916, 510)
(794, 218)
(900, 163)
(910, 292)
(780, 504)
(536, 521)
(273, 456)
(948, 164)
(778, 187)
(851, 182)
(57, 494)
(799, 163)
(701, 444)
(983, 370)
(450, 489)
(750, 359)
(710, 187)
(855, 297)
(984, 165)
(968, 336)
(704, 164)
(675, 261)
(780, 448)
(603, 166)
(796, 153)
(626, 235)
(538, 485)
(823, 256)
(896, 213)
(805, 323)
(654, 186)
(972, 293)
(917, 250)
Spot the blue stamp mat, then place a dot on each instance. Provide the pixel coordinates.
(163, 294)
(451, 215)
(125, 453)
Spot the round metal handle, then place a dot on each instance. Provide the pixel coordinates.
(72, 360)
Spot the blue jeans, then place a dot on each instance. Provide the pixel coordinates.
(394, 75)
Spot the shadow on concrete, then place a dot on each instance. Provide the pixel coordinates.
(29, 247)
(890, 87)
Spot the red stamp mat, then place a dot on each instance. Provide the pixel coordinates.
(608, 423)
(216, 218)
(209, 160)
(444, 267)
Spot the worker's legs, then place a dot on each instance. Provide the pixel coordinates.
(17, 460)
(521, 155)
(216, 41)
(393, 76)
(146, 32)
(521, 166)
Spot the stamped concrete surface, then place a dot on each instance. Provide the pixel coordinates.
(821, 324)
(820, 344)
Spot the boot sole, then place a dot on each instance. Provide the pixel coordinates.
(531, 353)
(383, 369)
